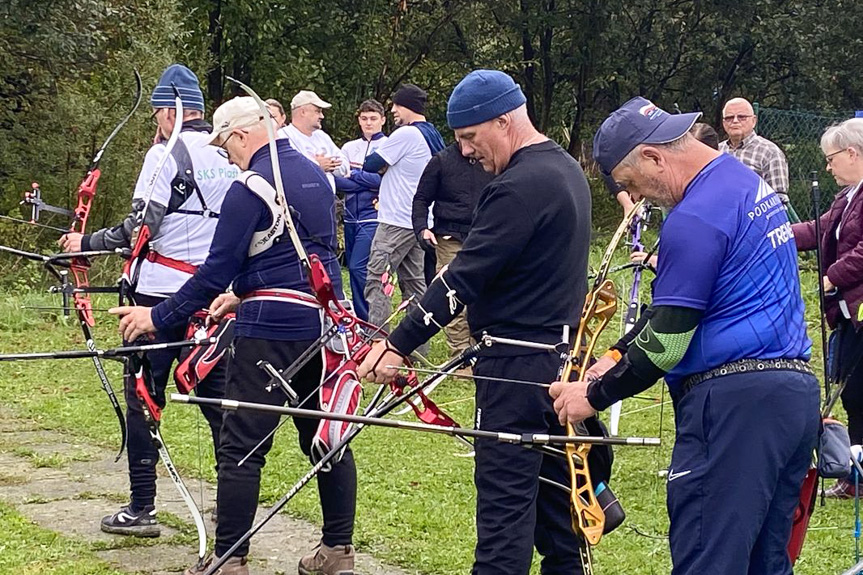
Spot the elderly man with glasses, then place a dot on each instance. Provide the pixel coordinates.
(277, 320)
(758, 153)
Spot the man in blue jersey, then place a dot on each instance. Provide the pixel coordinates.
(726, 331)
(251, 252)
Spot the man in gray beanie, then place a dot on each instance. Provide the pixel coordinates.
(522, 274)
(182, 215)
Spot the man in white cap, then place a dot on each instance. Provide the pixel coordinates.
(306, 136)
(182, 216)
(251, 252)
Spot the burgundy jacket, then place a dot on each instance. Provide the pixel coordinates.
(842, 259)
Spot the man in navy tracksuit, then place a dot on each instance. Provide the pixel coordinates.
(361, 200)
(726, 331)
(252, 252)
(534, 214)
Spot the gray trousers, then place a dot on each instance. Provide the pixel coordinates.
(394, 250)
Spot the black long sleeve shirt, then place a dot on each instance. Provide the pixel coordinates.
(453, 184)
(522, 271)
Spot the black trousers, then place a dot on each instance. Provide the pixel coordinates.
(515, 512)
(239, 486)
(847, 354)
(142, 453)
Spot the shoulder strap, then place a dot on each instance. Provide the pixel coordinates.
(184, 185)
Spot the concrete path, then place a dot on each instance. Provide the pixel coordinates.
(68, 486)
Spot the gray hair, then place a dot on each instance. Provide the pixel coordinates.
(847, 134)
(674, 146)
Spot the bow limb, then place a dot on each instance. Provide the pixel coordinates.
(139, 370)
(141, 235)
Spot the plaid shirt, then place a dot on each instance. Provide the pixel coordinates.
(765, 158)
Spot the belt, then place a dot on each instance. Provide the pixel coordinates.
(744, 366)
(282, 295)
(180, 265)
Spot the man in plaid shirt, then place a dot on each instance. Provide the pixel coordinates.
(760, 154)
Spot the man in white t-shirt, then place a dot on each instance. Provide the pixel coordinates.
(306, 136)
(404, 157)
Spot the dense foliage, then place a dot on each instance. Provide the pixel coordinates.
(67, 73)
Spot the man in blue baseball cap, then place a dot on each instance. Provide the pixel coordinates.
(726, 331)
(522, 274)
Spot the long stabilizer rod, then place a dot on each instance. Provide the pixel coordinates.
(515, 438)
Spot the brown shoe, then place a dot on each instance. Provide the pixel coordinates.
(325, 560)
(842, 489)
(233, 566)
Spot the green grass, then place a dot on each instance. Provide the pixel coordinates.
(416, 499)
(26, 549)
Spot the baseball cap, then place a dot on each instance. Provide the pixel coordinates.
(239, 112)
(638, 121)
(304, 97)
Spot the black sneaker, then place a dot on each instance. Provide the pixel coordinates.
(124, 522)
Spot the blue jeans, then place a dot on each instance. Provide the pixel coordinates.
(358, 244)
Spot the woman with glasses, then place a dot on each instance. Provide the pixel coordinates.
(842, 271)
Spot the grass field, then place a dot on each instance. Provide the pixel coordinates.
(416, 499)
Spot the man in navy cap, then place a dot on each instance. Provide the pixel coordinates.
(182, 214)
(522, 273)
(726, 331)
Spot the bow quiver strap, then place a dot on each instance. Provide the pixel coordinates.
(201, 360)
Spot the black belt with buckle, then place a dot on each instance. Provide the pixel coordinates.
(744, 366)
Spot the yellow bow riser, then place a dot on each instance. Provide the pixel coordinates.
(588, 518)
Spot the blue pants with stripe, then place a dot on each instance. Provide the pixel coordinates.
(358, 244)
(744, 443)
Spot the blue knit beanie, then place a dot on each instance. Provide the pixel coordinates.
(187, 85)
(481, 96)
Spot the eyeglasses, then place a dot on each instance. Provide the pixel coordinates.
(736, 117)
(222, 151)
(153, 116)
(829, 157)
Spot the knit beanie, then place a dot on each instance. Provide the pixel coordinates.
(187, 85)
(481, 96)
(411, 97)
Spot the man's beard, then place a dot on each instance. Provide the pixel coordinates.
(660, 193)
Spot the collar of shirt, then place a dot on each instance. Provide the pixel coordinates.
(747, 141)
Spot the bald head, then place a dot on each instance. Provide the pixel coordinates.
(738, 120)
(739, 103)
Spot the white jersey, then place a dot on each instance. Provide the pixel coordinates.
(318, 143)
(407, 154)
(181, 236)
(356, 150)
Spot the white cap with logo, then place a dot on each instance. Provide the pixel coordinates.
(304, 97)
(239, 112)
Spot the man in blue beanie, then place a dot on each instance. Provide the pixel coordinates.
(182, 217)
(522, 274)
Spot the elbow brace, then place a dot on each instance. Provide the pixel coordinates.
(654, 352)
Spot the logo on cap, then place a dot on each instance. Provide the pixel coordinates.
(650, 111)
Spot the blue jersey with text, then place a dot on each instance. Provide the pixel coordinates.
(727, 249)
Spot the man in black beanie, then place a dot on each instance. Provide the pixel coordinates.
(522, 274)
(404, 157)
